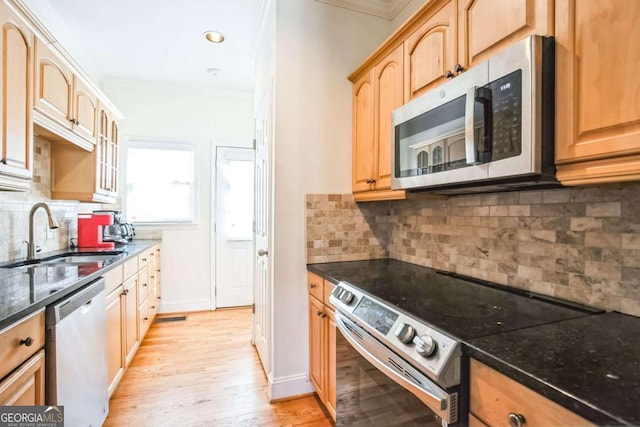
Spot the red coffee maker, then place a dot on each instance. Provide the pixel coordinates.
(90, 234)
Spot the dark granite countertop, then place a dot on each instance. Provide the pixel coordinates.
(590, 365)
(26, 290)
(586, 360)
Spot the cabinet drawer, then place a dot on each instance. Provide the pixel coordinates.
(494, 396)
(12, 352)
(113, 278)
(315, 285)
(25, 387)
(143, 285)
(130, 268)
(143, 258)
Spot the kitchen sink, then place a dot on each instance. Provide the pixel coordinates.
(65, 259)
(76, 259)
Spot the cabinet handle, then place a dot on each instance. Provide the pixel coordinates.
(458, 68)
(144, 260)
(448, 74)
(123, 293)
(370, 181)
(516, 420)
(27, 341)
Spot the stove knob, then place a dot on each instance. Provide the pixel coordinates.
(425, 346)
(337, 291)
(405, 333)
(346, 297)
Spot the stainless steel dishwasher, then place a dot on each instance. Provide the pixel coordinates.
(76, 356)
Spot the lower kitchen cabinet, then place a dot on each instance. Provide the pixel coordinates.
(132, 302)
(25, 386)
(322, 342)
(498, 400)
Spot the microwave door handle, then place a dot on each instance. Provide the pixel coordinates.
(469, 133)
(483, 95)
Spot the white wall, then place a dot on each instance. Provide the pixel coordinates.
(165, 112)
(317, 47)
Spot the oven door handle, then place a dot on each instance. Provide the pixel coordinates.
(430, 394)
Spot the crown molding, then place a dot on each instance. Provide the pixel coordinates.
(386, 9)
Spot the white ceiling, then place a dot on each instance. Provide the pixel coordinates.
(158, 40)
(162, 40)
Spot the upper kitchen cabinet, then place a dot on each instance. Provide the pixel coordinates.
(430, 52)
(16, 94)
(88, 177)
(375, 95)
(486, 27)
(597, 89)
(65, 107)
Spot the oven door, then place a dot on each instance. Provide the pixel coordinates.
(376, 387)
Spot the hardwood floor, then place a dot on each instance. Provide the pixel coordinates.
(203, 372)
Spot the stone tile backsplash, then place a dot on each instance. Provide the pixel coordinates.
(580, 244)
(15, 207)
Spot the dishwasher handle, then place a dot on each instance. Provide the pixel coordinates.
(84, 296)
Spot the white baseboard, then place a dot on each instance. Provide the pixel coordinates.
(292, 385)
(184, 306)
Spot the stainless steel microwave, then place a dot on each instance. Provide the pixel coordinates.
(489, 129)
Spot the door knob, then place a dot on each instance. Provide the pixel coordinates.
(263, 252)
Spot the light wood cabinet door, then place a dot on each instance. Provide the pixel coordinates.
(597, 87)
(317, 350)
(363, 133)
(85, 111)
(16, 100)
(430, 51)
(115, 337)
(54, 86)
(132, 336)
(486, 27)
(389, 95)
(25, 386)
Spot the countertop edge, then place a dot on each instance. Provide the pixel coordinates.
(139, 246)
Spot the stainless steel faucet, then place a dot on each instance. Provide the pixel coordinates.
(31, 245)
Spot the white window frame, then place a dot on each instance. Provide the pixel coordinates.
(151, 144)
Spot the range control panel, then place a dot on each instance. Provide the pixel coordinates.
(431, 351)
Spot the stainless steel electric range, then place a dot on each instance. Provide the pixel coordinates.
(400, 330)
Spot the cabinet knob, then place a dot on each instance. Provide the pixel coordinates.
(370, 181)
(323, 315)
(146, 318)
(153, 307)
(458, 68)
(448, 74)
(144, 284)
(516, 420)
(144, 260)
(27, 341)
(4, 161)
(312, 285)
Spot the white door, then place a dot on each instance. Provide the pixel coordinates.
(234, 227)
(262, 314)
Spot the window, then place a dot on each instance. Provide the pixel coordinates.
(161, 184)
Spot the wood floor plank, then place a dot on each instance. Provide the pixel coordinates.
(204, 372)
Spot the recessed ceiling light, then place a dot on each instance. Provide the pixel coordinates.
(214, 36)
